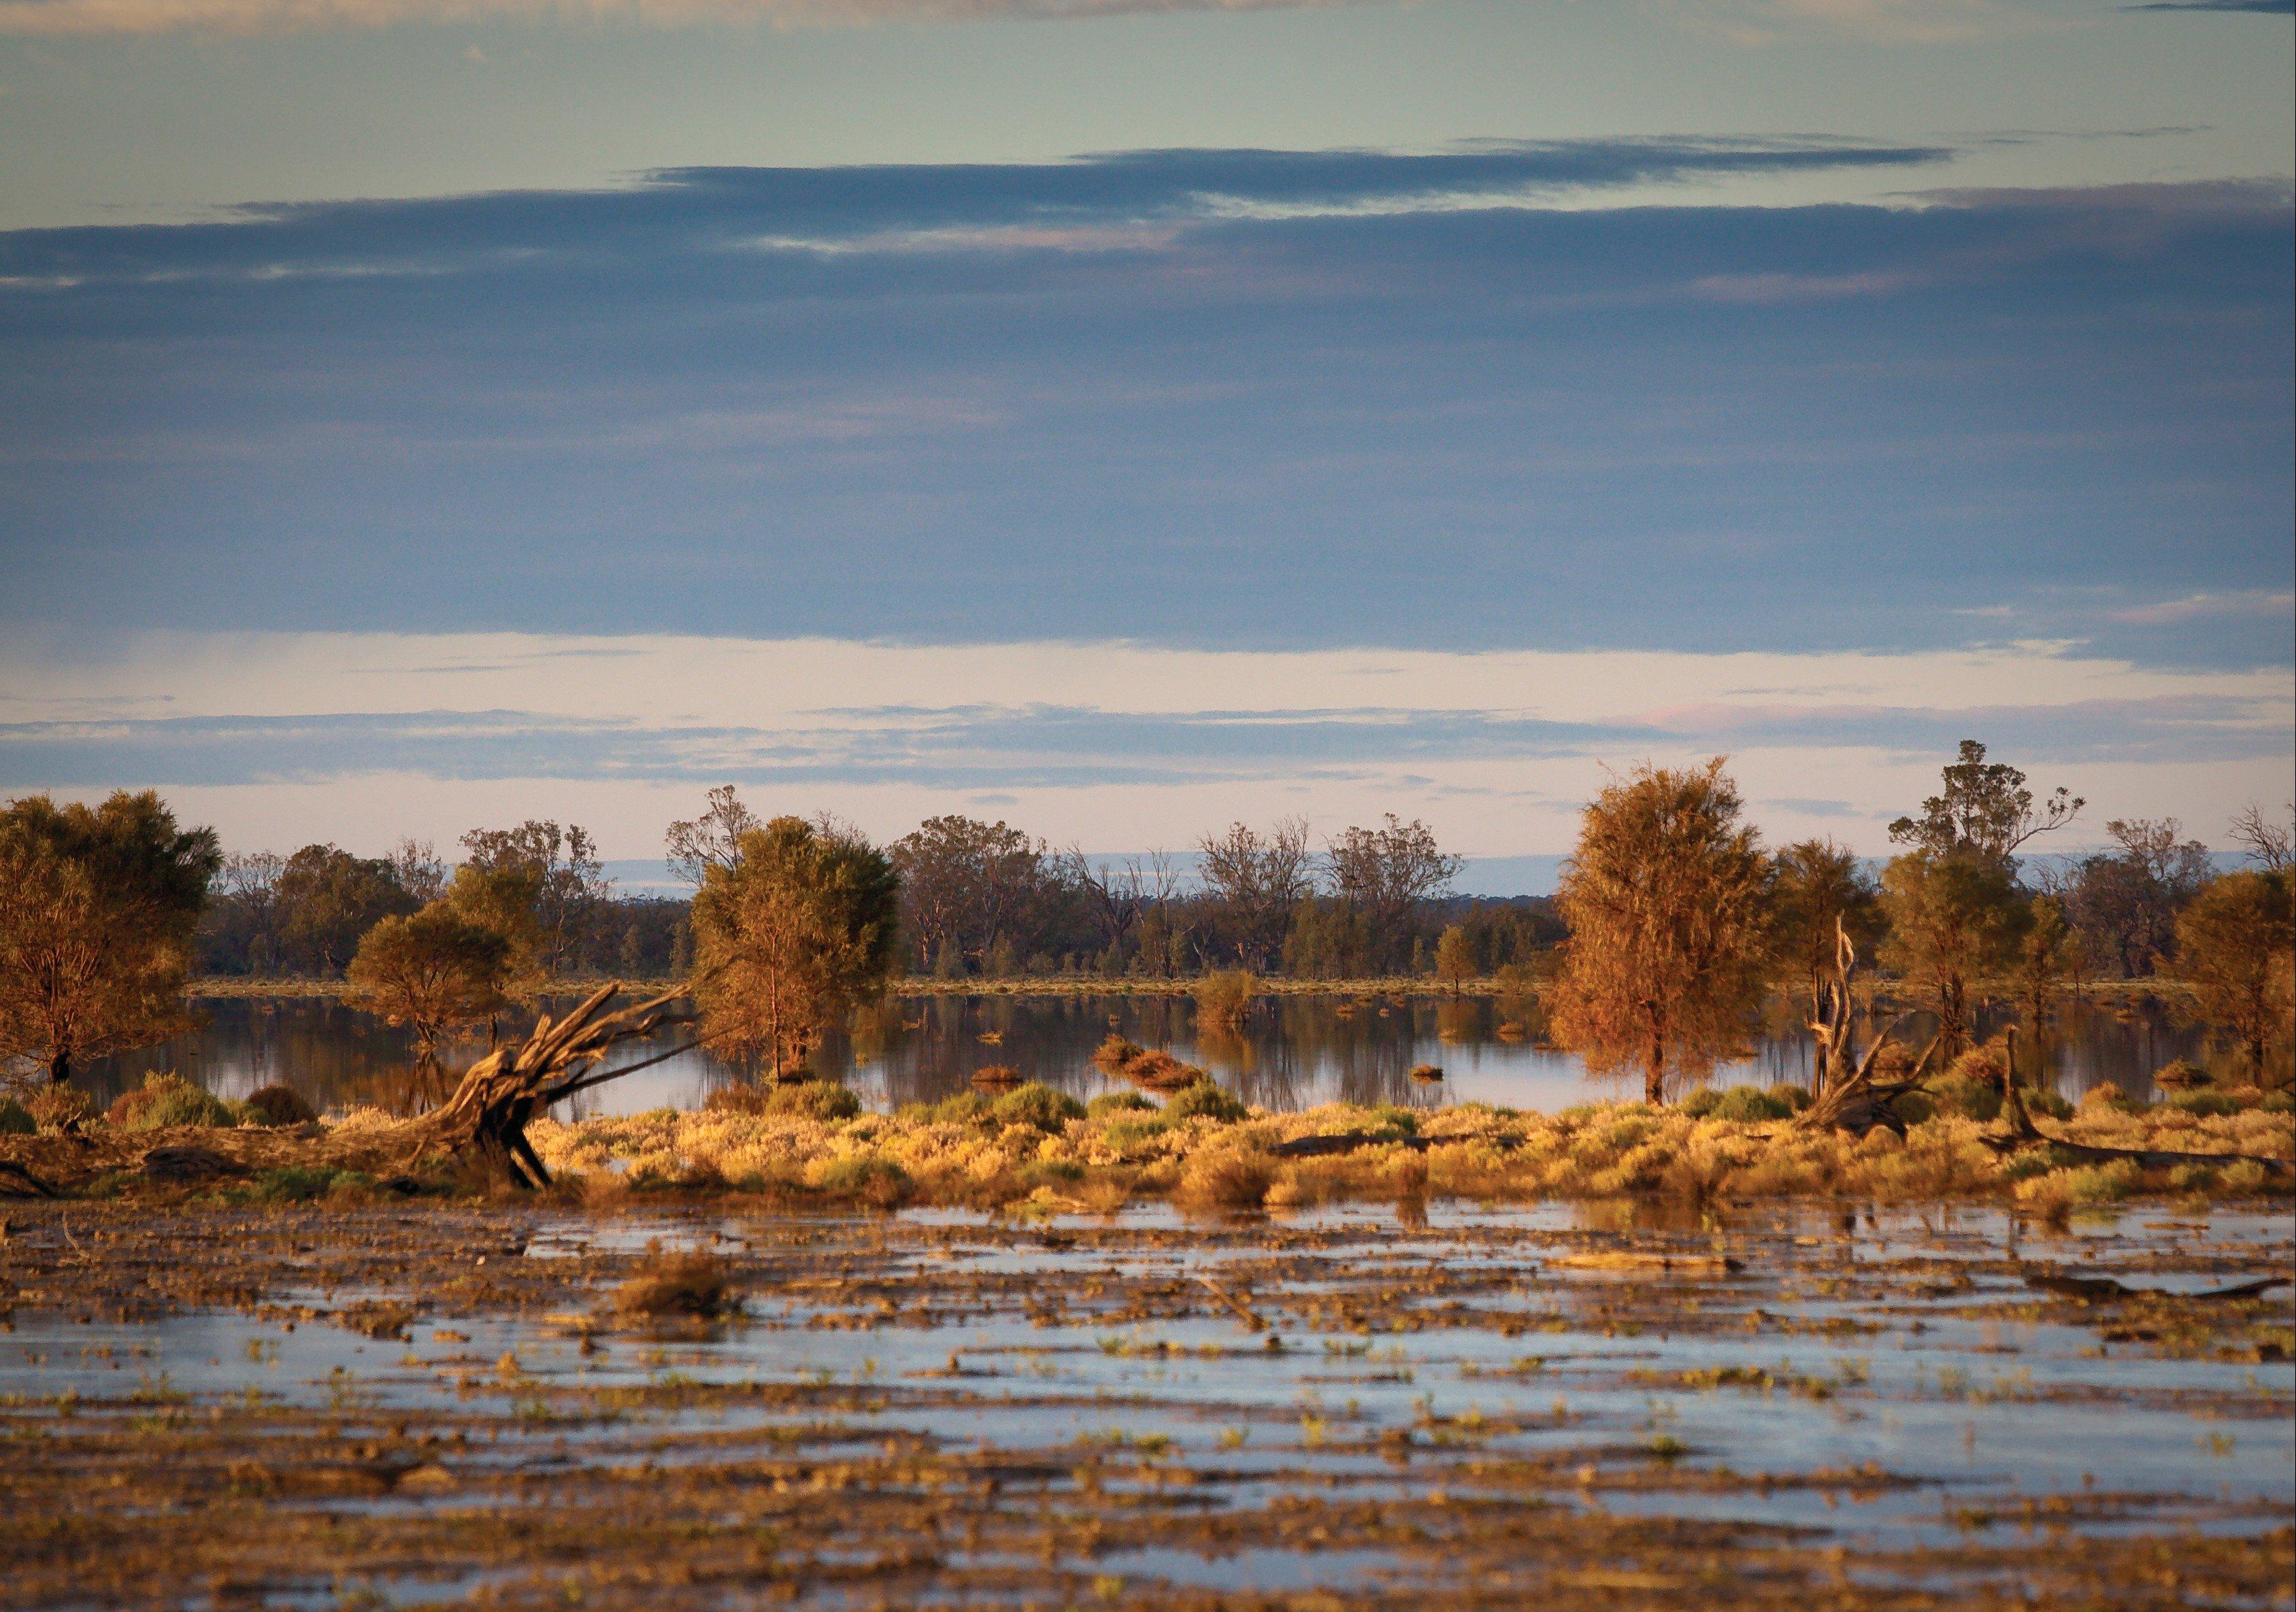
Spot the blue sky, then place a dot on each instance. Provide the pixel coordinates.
(1155, 416)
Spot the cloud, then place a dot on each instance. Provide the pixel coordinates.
(1208, 397)
(2198, 606)
(1751, 21)
(2269, 8)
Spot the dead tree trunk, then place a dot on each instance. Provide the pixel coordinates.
(488, 1115)
(1849, 1097)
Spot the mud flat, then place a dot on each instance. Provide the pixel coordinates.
(703, 1404)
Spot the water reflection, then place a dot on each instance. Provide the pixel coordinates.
(1288, 1052)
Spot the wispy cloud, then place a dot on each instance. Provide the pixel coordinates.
(2199, 607)
(2268, 8)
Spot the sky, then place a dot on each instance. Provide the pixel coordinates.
(1121, 419)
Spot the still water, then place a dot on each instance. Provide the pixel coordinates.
(1292, 1052)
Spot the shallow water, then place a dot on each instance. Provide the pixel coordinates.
(1885, 1382)
(1294, 1052)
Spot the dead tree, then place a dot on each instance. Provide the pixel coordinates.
(1849, 1096)
(487, 1117)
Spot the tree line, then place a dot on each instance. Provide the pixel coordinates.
(1671, 921)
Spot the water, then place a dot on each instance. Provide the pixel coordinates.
(1293, 1051)
(1888, 1382)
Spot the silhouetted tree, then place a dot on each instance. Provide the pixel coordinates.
(1984, 810)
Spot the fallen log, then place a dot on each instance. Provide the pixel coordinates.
(487, 1117)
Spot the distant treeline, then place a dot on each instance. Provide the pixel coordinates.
(984, 900)
(978, 900)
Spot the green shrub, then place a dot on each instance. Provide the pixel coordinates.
(1392, 1117)
(1116, 1102)
(167, 1099)
(1967, 1097)
(827, 1100)
(964, 1108)
(2281, 1101)
(276, 1105)
(1204, 1100)
(2204, 1101)
(15, 1118)
(868, 1179)
(1052, 1172)
(1037, 1105)
(300, 1183)
(1742, 1105)
(2049, 1104)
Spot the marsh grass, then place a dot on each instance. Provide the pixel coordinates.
(690, 1284)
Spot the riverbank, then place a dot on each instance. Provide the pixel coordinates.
(1036, 1151)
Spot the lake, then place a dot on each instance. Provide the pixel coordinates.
(1292, 1051)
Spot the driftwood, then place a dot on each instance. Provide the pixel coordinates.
(488, 1115)
(1848, 1095)
(1345, 1141)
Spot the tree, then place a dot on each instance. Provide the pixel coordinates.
(1823, 891)
(2267, 843)
(1455, 958)
(2126, 903)
(2236, 948)
(328, 898)
(712, 840)
(1254, 880)
(97, 911)
(1384, 873)
(560, 866)
(1955, 917)
(239, 929)
(433, 971)
(2047, 958)
(1984, 810)
(1666, 898)
(801, 925)
(963, 884)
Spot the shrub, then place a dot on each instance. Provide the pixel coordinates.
(1958, 1094)
(16, 1120)
(2109, 1096)
(1038, 1104)
(827, 1100)
(866, 1178)
(2205, 1102)
(1116, 1102)
(1228, 1180)
(300, 1184)
(276, 1105)
(1204, 1100)
(60, 1106)
(1742, 1105)
(2180, 1074)
(168, 1099)
(1223, 999)
(964, 1108)
(676, 1284)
